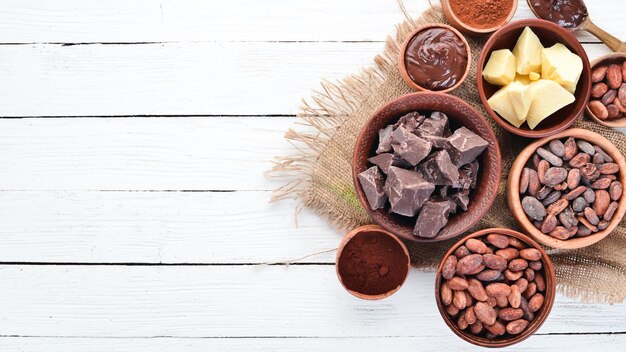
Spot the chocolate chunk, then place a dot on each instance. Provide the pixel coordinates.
(407, 191)
(408, 146)
(435, 141)
(433, 217)
(409, 121)
(384, 139)
(439, 169)
(466, 146)
(461, 199)
(435, 125)
(386, 160)
(373, 183)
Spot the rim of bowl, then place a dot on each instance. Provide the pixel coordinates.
(515, 204)
(488, 48)
(621, 121)
(447, 10)
(549, 294)
(371, 228)
(402, 64)
(497, 173)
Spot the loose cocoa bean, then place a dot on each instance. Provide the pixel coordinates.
(517, 326)
(457, 283)
(508, 253)
(543, 193)
(521, 283)
(536, 159)
(570, 148)
(462, 323)
(574, 193)
(536, 265)
(591, 216)
(446, 294)
(530, 290)
(528, 314)
(515, 296)
(556, 175)
(523, 183)
(557, 207)
(602, 202)
(548, 224)
(477, 270)
(551, 198)
(498, 289)
(533, 208)
(606, 156)
(573, 178)
(603, 224)
(579, 204)
(512, 275)
(597, 159)
(598, 109)
(610, 211)
(510, 314)
(459, 299)
(494, 261)
(449, 267)
(613, 111)
(461, 252)
(561, 186)
(540, 282)
(580, 159)
(529, 274)
(477, 327)
(585, 147)
(518, 264)
(541, 170)
(589, 172)
(557, 148)
(560, 233)
(568, 218)
(536, 302)
(599, 89)
(476, 246)
(589, 195)
(470, 316)
(583, 220)
(476, 290)
(614, 76)
(497, 329)
(485, 313)
(452, 310)
(530, 254)
(498, 241)
(609, 168)
(598, 73)
(468, 298)
(601, 183)
(583, 231)
(621, 94)
(468, 264)
(609, 96)
(488, 275)
(549, 157)
(515, 243)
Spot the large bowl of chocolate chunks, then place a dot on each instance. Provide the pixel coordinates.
(426, 166)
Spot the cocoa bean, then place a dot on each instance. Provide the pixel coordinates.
(459, 299)
(591, 216)
(597, 159)
(548, 224)
(515, 296)
(498, 289)
(585, 147)
(457, 283)
(452, 310)
(536, 159)
(601, 183)
(462, 323)
(518, 264)
(549, 157)
(615, 190)
(598, 109)
(556, 175)
(574, 193)
(523, 183)
(536, 265)
(470, 316)
(533, 183)
(602, 202)
(494, 261)
(621, 107)
(610, 211)
(613, 111)
(602, 225)
(621, 94)
(512, 275)
(580, 159)
(543, 193)
(477, 270)
(528, 314)
(561, 186)
(583, 231)
(589, 172)
(541, 170)
(560, 233)
(606, 156)
(476, 246)
(614, 76)
(485, 313)
(461, 252)
(530, 290)
(516, 327)
(599, 89)
(530, 254)
(570, 148)
(551, 198)
(521, 283)
(573, 178)
(598, 73)
(477, 327)
(568, 218)
(498, 241)
(468, 298)
(497, 329)
(488, 275)
(589, 195)
(540, 282)
(468, 264)
(557, 207)
(609, 168)
(557, 148)
(515, 243)
(449, 267)
(446, 294)
(476, 290)
(609, 96)
(529, 274)
(583, 220)
(508, 253)
(533, 208)
(510, 314)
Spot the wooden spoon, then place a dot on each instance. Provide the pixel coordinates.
(610, 41)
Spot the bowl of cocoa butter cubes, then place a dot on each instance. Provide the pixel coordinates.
(566, 190)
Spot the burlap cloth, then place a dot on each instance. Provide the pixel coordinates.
(321, 173)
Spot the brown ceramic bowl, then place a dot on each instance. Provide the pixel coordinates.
(540, 316)
(377, 240)
(402, 64)
(613, 58)
(459, 114)
(549, 34)
(513, 196)
(467, 29)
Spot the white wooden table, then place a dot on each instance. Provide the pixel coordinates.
(133, 208)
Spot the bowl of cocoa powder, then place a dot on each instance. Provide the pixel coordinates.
(478, 17)
(372, 263)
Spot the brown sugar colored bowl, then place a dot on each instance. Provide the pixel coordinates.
(402, 62)
(459, 114)
(613, 58)
(456, 22)
(549, 34)
(540, 316)
(372, 263)
(513, 194)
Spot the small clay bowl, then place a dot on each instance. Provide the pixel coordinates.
(515, 204)
(614, 58)
(375, 240)
(402, 64)
(549, 34)
(467, 29)
(459, 114)
(540, 316)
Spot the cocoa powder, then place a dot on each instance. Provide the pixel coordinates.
(372, 264)
(481, 14)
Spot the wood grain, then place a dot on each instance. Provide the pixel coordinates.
(235, 301)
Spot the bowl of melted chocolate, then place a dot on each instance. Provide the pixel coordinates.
(435, 57)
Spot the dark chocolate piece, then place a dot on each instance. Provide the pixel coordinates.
(435, 141)
(466, 146)
(435, 125)
(408, 146)
(433, 217)
(461, 199)
(386, 160)
(409, 121)
(407, 191)
(373, 184)
(384, 139)
(439, 169)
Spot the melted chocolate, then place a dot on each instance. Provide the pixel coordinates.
(436, 58)
(565, 13)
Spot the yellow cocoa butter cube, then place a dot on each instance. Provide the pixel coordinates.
(561, 65)
(501, 103)
(527, 52)
(533, 76)
(521, 99)
(548, 98)
(500, 69)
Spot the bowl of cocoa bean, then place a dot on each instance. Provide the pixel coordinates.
(566, 191)
(495, 287)
(372, 263)
(608, 91)
(478, 17)
(426, 167)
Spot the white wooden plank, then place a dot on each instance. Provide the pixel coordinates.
(209, 78)
(200, 153)
(235, 301)
(539, 343)
(23, 21)
(158, 227)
